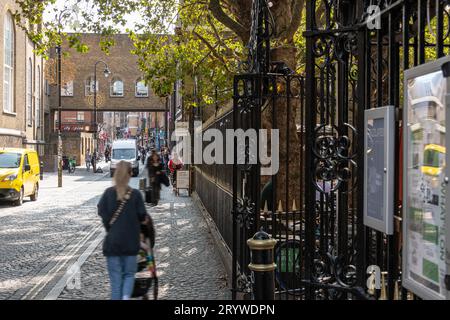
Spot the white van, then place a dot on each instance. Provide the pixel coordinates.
(125, 150)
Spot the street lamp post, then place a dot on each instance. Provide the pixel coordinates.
(63, 14)
(58, 48)
(106, 72)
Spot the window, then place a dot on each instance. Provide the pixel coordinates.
(89, 86)
(10, 159)
(46, 87)
(116, 88)
(124, 154)
(25, 162)
(67, 89)
(80, 116)
(141, 88)
(8, 65)
(29, 93)
(38, 98)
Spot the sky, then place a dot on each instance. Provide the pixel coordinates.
(49, 14)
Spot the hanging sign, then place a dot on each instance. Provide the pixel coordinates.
(425, 187)
(379, 164)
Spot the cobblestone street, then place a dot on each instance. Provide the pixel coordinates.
(41, 242)
(188, 266)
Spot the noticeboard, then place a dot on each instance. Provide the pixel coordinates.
(183, 179)
(425, 185)
(379, 169)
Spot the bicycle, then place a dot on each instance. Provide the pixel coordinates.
(288, 272)
(328, 268)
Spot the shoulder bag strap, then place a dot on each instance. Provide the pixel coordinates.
(120, 208)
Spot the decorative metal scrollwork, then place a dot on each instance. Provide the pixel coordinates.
(335, 162)
(353, 73)
(100, 99)
(246, 104)
(322, 46)
(261, 31)
(245, 213)
(246, 100)
(333, 269)
(336, 46)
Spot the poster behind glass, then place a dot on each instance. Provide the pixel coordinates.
(375, 169)
(425, 187)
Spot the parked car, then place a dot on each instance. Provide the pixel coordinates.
(19, 174)
(126, 150)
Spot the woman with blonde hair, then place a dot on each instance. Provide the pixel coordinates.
(122, 211)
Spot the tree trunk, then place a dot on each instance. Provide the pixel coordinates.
(287, 17)
(288, 177)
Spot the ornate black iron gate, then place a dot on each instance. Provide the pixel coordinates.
(356, 53)
(246, 176)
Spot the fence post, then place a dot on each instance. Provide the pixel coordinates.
(262, 265)
(41, 170)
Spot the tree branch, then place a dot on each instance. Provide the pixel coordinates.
(296, 19)
(212, 50)
(216, 32)
(219, 38)
(220, 15)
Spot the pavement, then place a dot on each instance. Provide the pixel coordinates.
(51, 248)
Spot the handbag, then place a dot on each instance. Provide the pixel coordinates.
(119, 209)
(163, 179)
(148, 230)
(148, 195)
(151, 194)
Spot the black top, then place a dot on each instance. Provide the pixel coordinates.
(153, 168)
(122, 238)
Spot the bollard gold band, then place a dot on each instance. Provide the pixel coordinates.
(262, 267)
(261, 244)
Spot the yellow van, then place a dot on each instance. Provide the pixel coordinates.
(433, 159)
(19, 174)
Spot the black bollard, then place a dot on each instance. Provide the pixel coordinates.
(262, 265)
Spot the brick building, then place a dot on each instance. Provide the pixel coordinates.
(23, 94)
(122, 92)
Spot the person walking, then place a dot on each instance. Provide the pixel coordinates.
(123, 212)
(154, 168)
(94, 161)
(166, 154)
(87, 159)
(175, 164)
(143, 155)
(107, 153)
